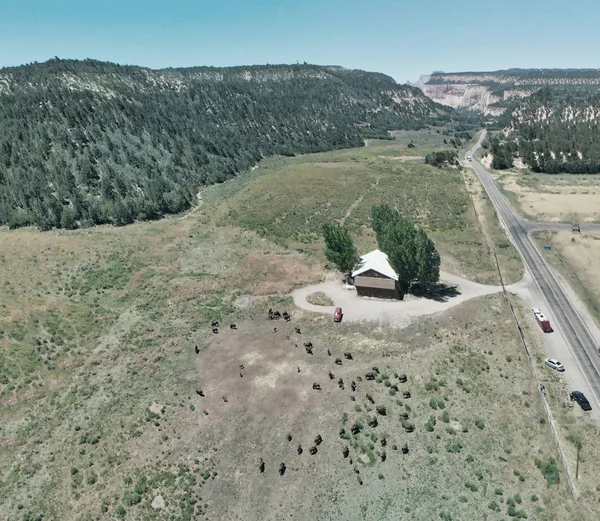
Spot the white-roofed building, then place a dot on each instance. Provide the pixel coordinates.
(374, 277)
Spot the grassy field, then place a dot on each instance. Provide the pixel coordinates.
(105, 345)
(543, 197)
(288, 200)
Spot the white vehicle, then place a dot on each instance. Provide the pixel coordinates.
(554, 364)
(469, 157)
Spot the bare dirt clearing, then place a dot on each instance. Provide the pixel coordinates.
(555, 198)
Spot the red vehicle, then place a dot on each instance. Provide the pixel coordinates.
(541, 319)
(337, 315)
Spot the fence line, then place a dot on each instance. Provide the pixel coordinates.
(537, 381)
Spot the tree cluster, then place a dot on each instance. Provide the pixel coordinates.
(411, 252)
(554, 131)
(442, 158)
(88, 142)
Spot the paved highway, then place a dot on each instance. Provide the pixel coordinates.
(567, 321)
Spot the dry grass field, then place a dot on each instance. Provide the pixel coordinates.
(105, 345)
(554, 198)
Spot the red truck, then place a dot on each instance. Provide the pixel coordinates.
(542, 320)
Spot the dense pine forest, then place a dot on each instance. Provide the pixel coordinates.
(88, 142)
(553, 131)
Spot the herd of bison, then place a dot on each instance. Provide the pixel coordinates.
(356, 427)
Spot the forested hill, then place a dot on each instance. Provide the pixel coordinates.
(88, 142)
(553, 131)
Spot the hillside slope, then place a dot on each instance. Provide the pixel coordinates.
(492, 92)
(88, 142)
(553, 131)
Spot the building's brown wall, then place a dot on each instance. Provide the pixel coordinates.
(364, 291)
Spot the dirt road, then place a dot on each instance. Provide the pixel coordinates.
(391, 312)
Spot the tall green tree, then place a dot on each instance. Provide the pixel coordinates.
(428, 259)
(339, 247)
(411, 253)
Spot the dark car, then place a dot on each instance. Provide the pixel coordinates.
(337, 315)
(579, 397)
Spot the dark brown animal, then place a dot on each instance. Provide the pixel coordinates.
(309, 350)
(409, 428)
(331, 375)
(370, 398)
(276, 315)
(274, 330)
(338, 361)
(225, 399)
(353, 385)
(383, 456)
(299, 449)
(317, 387)
(241, 375)
(360, 481)
(405, 448)
(394, 387)
(394, 447)
(282, 469)
(348, 356)
(373, 422)
(241, 366)
(359, 379)
(215, 330)
(308, 344)
(406, 394)
(200, 392)
(369, 376)
(375, 369)
(313, 450)
(404, 416)
(341, 383)
(383, 442)
(342, 433)
(381, 410)
(261, 466)
(318, 440)
(197, 349)
(402, 378)
(352, 398)
(232, 326)
(289, 437)
(329, 352)
(298, 369)
(298, 330)
(356, 470)
(215, 323)
(355, 429)
(346, 452)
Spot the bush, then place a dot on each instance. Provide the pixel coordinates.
(499, 492)
(445, 417)
(132, 498)
(494, 506)
(549, 470)
(433, 403)
(480, 423)
(120, 511)
(454, 446)
(430, 424)
(471, 486)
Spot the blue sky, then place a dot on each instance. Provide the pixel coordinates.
(398, 37)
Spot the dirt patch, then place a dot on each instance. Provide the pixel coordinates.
(318, 298)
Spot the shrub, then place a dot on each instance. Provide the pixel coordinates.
(433, 403)
(479, 423)
(445, 417)
(132, 498)
(430, 424)
(344, 417)
(91, 479)
(534, 497)
(549, 470)
(494, 506)
(471, 486)
(450, 430)
(120, 511)
(454, 446)
(74, 471)
(499, 492)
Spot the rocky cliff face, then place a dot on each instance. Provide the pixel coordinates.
(492, 92)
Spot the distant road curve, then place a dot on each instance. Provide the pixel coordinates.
(569, 323)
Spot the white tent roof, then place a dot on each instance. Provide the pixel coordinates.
(376, 261)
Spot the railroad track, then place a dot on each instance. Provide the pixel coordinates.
(569, 322)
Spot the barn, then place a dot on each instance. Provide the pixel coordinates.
(374, 277)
